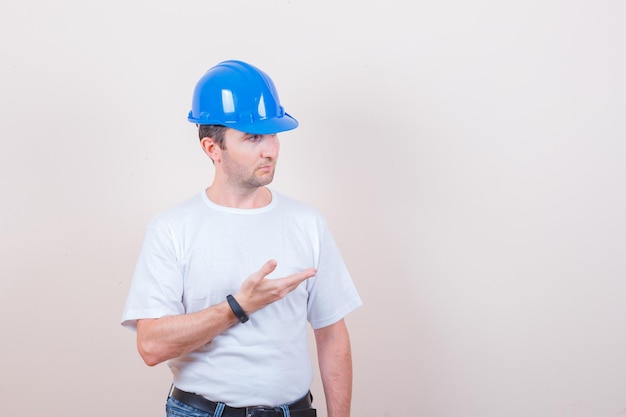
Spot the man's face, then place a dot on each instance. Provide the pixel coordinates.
(249, 161)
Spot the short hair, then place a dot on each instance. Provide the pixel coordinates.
(215, 132)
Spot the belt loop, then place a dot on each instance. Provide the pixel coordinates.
(219, 410)
(285, 409)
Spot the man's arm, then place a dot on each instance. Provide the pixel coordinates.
(335, 361)
(171, 336)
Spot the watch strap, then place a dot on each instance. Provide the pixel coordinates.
(237, 310)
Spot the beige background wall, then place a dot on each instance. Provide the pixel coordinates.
(468, 155)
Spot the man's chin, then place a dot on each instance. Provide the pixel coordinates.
(266, 177)
(263, 180)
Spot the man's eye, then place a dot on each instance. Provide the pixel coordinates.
(254, 138)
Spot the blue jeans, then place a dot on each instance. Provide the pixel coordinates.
(174, 408)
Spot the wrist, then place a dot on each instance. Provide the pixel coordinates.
(237, 310)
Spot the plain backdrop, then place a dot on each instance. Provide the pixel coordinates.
(469, 157)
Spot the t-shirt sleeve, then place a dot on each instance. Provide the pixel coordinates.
(332, 293)
(157, 285)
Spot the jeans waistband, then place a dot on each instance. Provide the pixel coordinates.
(201, 403)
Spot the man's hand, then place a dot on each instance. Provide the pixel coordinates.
(258, 291)
(171, 336)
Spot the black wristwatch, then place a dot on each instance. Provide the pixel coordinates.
(237, 310)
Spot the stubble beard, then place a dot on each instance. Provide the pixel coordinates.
(250, 181)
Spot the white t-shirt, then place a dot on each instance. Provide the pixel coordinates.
(197, 253)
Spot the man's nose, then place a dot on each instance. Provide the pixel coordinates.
(270, 146)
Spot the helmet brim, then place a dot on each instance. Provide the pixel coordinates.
(269, 126)
(258, 127)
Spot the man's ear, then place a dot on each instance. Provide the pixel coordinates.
(211, 148)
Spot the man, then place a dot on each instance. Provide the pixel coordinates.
(227, 281)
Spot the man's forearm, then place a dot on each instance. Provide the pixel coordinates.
(335, 361)
(171, 336)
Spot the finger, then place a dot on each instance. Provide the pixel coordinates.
(268, 267)
(257, 277)
(310, 272)
(295, 279)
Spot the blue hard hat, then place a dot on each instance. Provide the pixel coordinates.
(238, 95)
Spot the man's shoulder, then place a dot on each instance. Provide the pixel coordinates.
(178, 212)
(294, 208)
(290, 203)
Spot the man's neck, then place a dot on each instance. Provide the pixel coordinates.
(242, 199)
